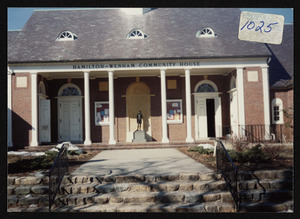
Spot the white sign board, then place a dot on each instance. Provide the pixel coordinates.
(261, 27)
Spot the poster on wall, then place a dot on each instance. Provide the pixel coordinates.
(174, 111)
(101, 113)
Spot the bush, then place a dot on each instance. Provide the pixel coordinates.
(252, 155)
(202, 150)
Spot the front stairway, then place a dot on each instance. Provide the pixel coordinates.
(145, 193)
(260, 191)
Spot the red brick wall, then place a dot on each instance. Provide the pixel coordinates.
(253, 98)
(21, 112)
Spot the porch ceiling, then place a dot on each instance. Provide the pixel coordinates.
(137, 73)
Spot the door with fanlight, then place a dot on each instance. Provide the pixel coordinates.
(70, 120)
(69, 113)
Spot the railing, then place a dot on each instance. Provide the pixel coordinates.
(262, 133)
(229, 171)
(59, 168)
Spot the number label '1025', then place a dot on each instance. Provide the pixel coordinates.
(251, 25)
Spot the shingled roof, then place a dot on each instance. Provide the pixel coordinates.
(102, 35)
(281, 66)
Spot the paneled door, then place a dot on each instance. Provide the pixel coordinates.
(70, 120)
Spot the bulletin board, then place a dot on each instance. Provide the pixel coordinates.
(101, 113)
(174, 111)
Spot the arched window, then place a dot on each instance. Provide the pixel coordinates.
(232, 83)
(205, 88)
(69, 90)
(42, 89)
(66, 36)
(136, 34)
(206, 32)
(277, 111)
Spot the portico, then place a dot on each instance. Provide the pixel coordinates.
(202, 110)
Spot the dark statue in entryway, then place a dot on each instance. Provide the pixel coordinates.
(139, 118)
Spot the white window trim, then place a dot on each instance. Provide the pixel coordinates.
(200, 34)
(136, 36)
(277, 102)
(72, 38)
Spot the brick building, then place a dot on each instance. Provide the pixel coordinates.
(83, 75)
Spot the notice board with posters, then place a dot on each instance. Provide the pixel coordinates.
(102, 113)
(174, 111)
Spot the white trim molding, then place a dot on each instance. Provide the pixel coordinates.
(241, 102)
(34, 110)
(266, 93)
(87, 117)
(189, 137)
(111, 108)
(165, 138)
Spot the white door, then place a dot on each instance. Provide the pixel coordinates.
(69, 120)
(44, 121)
(233, 113)
(202, 118)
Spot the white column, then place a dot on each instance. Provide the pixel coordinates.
(111, 108)
(240, 93)
(265, 78)
(189, 137)
(87, 117)
(165, 138)
(34, 110)
(9, 108)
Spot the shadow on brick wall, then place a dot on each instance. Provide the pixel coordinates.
(20, 132)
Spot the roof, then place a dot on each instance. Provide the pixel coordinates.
(11, 39)
(102, 35)
(281, 66)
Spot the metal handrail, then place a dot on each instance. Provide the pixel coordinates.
(229, 171)
(59, 168)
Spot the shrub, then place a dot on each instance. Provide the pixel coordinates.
(240, 144)
(273, 151)
(253, 155)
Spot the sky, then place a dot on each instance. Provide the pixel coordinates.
(17, 17)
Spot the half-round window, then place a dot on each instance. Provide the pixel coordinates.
(205, 88)
(136, 34)
(66, 36)
(70, 91)
(232, 82)
(206, 32)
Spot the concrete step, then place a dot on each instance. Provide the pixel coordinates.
(143, 187)
(265, 184)
(149, 207)
(146, 197)
(287, 206)
(135, 207)
(275, 196)
(186, 177)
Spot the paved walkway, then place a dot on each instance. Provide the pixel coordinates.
(141, 161)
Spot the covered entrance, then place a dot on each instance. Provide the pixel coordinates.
(208, 120)
(138, 99)
(69, 114)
